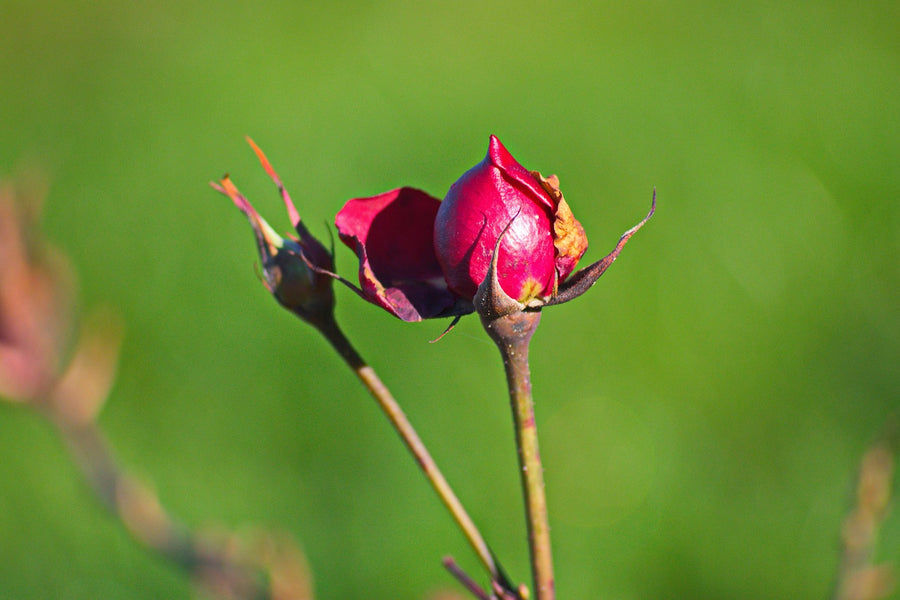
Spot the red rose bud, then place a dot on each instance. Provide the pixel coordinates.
(500, 225)
(541, 239)
(296, 270)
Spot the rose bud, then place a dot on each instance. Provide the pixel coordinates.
(420, 258)
(541, 240)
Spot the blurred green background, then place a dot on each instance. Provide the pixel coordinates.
(703, 409)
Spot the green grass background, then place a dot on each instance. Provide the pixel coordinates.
(702, 409)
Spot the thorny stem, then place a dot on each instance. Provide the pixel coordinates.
(512, 334)
(332, 332)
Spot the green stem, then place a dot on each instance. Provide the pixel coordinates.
(512, 334)
(329, 328)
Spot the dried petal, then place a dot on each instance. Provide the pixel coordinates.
(582, 281)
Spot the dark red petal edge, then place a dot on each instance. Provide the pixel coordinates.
(411, 299)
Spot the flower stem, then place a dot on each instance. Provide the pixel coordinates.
(212, 564)
(512, 334)
(328, 327)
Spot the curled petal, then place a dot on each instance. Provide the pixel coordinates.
(392, 235)
(568, 234)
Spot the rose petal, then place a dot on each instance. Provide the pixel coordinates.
(569, 239)
(516, 174)
(392, 234)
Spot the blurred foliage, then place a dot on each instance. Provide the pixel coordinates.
(704, 408)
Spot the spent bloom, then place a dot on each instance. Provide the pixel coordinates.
(35, 298)
(39, 364)
(422, 258)
(294, 268)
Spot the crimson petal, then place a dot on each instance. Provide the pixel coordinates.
(392, 234)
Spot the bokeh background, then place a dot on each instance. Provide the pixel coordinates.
(703, 409)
